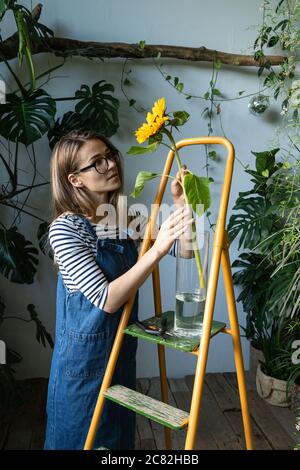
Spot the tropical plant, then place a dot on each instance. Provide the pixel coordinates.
(28, 114)
(268, 225)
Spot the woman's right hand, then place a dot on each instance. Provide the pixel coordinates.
(174, 226)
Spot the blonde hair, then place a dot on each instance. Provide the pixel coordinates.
(64, 160)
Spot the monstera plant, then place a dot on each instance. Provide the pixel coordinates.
(28, 114)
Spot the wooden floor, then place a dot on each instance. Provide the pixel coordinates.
(220, 424)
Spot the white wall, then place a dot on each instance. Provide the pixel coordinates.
(216, 25)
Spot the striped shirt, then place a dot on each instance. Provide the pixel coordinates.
(75, 251)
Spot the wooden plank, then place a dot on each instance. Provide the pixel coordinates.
(218, 425)
(229, 403)
(178, 437)
(183, 393)
(144, 429)
(265, 420)
(175, 342)
(286, 418)
(283, 414)
(147, 406)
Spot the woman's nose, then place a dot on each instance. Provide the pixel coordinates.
(111, 163)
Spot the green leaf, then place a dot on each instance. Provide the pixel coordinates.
(206, 95)
(18, 257)
(4, 6)
(132, 102)
(69, 122)
(241, 92)
(180, 118)
(98, 109)
(253, 223)
(217, 64)
(197, 191)
(136, 150)
(176, 81)
(273, 41)
(26, 119)
(179, 87)
(142, 44)
(127, 82)
(265, 160)
(265, 173)
(216, 92)
(213, 155)
(141, 179)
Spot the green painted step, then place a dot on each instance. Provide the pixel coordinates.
(153, 409)
(183, 344)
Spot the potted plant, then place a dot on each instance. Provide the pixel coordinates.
(268, 225)
(278, 373)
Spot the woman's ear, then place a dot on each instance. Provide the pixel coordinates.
(75, 181)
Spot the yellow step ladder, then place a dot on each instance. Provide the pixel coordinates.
(160, 411)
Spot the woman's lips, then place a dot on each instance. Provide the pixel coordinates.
(112, 177)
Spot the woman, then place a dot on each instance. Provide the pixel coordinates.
(98, 273)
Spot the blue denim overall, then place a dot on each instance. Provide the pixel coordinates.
(83, 340)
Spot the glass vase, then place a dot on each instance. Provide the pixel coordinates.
(190, 286)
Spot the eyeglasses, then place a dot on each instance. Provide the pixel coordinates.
(101, 164)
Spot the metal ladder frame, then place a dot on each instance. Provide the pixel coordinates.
(220, 256)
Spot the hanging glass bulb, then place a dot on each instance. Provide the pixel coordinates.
(258, 104)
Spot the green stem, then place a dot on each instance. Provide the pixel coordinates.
(194, 234)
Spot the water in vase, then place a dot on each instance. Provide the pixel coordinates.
(189, 311)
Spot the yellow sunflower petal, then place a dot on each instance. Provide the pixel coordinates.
(159, 107)
(143, 133)
(150, 118)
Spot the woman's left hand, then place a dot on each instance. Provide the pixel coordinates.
(176, 188)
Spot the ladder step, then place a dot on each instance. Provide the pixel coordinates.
(153, 409)
(181, 343)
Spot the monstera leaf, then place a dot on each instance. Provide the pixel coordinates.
(253, 223)
(63, 126)
(17, 257)
(26, 118)
(98, 109)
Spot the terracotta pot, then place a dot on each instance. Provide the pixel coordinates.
(270, 389)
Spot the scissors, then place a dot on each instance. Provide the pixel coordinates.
(154, 329)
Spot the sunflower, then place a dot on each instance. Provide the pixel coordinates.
(155, 121)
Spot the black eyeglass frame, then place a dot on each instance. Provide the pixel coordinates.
(112, 156)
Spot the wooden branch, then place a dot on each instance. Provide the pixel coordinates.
(65, 47)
